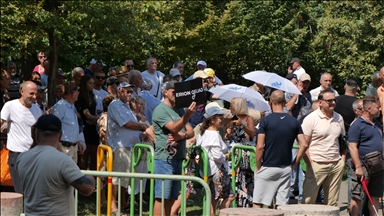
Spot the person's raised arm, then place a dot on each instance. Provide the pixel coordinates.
(175, 127)
(85, 185)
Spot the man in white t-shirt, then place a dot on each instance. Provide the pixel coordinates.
(326, 83)
(123, 132)
(295, 67)
(17, 118)
(155, 76)
(99, 93)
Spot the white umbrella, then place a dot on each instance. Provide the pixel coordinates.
(272, 80)
(253, 98)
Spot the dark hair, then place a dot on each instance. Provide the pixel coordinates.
(88, 95)
(206, 124)
(106, 101)
(177, 63)
(168, 76)
(352, 82)
(321, 94)
(34, 73)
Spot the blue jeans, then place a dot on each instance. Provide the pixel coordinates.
(171, 187)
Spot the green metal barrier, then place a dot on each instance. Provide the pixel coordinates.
(149, 176)
(203, 162)
(236, 164)
(138, 149)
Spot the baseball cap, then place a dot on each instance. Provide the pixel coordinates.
(201, 63)
(290, 76)
(111, 80)
(146, 84)
(174, 72)
(170, 85)
(294, 60)
(48, 123)
(214, 110)
(303, 77)
(124, 85)
(210, 72)
(69, 88)
(199, 74)
(94, 61)
(60, 72)
(122, 70)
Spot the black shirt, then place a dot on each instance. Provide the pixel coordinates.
(345, 109)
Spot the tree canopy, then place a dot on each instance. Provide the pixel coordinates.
(344, 38)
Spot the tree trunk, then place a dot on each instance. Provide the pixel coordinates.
(53, 56)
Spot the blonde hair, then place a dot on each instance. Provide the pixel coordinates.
(239, 105)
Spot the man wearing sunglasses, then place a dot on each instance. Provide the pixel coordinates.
(129, 64)
(99, 93)
(325, 162)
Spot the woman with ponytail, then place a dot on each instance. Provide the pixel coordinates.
(210, 139)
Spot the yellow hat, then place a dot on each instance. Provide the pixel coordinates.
(210, 72)
(122, 70)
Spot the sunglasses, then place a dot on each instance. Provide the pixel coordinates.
(129, 91)
(330, 100)
(130, 66)
(205, 80)
(100, 77)
(42, 57)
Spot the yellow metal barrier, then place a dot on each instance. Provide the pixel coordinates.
(108, 166)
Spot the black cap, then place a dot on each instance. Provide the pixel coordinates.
(290, 76)
(295, 60)
(49, 123)
(111, 80)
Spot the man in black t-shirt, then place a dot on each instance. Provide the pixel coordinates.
(344, 102)
(272, 176)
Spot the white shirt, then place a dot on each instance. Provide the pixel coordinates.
(69, 124)
(212, 142)
(119, 136)
(315, 93)
(20, 120)
(99, 97)
(157, 80)
(298, 72)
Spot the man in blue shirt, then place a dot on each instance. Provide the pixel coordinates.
(365, 136)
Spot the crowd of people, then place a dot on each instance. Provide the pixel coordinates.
(298, 143)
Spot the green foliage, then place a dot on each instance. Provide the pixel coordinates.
(344, 38)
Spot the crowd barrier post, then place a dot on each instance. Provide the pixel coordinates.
(236, 163)
(203, 162)
(136, 158)
(101, 149)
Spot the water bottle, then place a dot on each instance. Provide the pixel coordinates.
(229, 147)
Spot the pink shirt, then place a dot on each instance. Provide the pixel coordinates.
(37, 69)
(324, 145)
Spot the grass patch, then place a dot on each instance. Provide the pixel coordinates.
(87, 205)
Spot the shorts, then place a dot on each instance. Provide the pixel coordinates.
(220, 184)
(375, 185)
(122, 163)
(271, 182)
(171, 187)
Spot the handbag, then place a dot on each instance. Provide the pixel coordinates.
(374, 163)
(343, 143)
(6, 179)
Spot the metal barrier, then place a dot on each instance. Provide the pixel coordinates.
(151, 168)
(108, 166)
(236, 164)
(203, 162)
(148, 176)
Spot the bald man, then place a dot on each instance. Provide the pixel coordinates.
(19, 116)
(325, 84)
(273, 168)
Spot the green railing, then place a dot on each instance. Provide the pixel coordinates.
(236, 164)
(203, 162)
(138, 149)
(148, 176)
